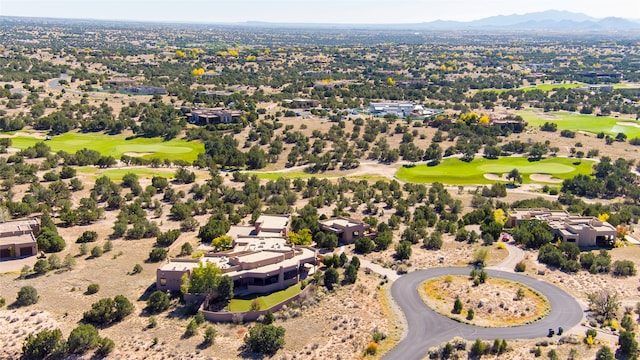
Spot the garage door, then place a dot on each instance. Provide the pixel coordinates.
(4, 253)
(26, 251)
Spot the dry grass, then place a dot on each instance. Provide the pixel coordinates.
(494, 302)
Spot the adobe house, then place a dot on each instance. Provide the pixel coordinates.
(18, 238)
(348, 230)
(584, 231)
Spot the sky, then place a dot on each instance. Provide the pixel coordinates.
(308, 11)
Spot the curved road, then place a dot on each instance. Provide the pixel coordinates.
(426, 328)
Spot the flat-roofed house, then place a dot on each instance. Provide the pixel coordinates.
(273, 225)
(584, 231)
(255, 264)
(202, 116)
(18, 238)
(348, 230)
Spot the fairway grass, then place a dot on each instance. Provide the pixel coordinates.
(580, 122)
(454, 171)
(117, 145)
(264, 302)
(116, 174)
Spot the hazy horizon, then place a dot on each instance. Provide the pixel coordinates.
(312, 11)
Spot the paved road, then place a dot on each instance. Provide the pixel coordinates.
(509, 264)
(426, 328)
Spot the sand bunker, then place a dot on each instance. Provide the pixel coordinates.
(495, 177)
(628, 123)
(545, 178)
(138, 154)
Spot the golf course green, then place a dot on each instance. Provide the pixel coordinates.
(454, 171)
(117, 145)
(580, 122)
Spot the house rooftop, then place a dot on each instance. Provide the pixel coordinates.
(273, 221)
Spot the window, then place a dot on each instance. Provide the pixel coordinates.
(356, 233)
(163, 281)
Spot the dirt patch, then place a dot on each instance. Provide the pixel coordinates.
(545, 178)
(496, 303)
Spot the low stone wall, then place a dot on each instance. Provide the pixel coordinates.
(226, 316)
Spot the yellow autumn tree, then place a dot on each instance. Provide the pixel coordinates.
(500, 216)
(198, 72)
(484, 120)
(391, 82)
(180, 54)
(443, 67)
(234, 53)
(251, 58)
(603, 217)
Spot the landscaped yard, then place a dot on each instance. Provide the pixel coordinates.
(275, 175)
(580, 122)
(117, 145)
(264, 302)
(457, 172)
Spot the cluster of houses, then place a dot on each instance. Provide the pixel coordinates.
(402, 109)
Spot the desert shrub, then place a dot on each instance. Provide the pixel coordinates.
(457, 306)
(93, 288)
(521, 266)
(371, 349)
(87, 236)
(265, 339)
(157, 254)
(107, 310)
(478, 348)
(186, 249)
(209, 336)
(27, 295)
(96, 252)
(105, 347)
(192, 328)
(158, 302)
(2, 302)
(41, 267)
(364, 245)
(624, 268)
(470, 314)
(627, 342)
(137, 269)
(83, 338)
(42, 344)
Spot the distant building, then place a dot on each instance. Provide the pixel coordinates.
(401, 109)
(584, 231)
(348, 230)
(18, 238)
(302, 103)
(203, 116)
(118, 82)
(596, 88)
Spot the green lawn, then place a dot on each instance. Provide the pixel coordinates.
(118, 174)
(580, 122)
(549, 87)
(454, 171)
(265, 302)
(117, 145)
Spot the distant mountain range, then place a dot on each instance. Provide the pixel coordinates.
(550, 20)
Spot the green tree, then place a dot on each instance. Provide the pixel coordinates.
(209, 336)
(515, 176)
(82, 339)
(627, 343)
(604, 353)
(403, 250)
(157, 254)
(364, 245)
(41, 267)
(265, 339)
(192, 328)
(351, 274)
(478, 348)
(457, 307)
(158, 302)
(212, 229)
(331, 278)
(222, 242)
(43, 344)
(27, 295)
(302, 237)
